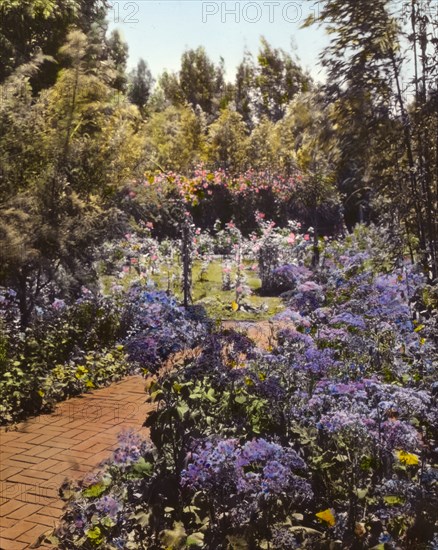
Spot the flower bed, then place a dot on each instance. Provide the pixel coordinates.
(70, 349)
(327, 441)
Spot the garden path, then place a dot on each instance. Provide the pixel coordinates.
(44, 451)
(264, 333)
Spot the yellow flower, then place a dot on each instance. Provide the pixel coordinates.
(327, 516)
(234, 306)
(407, 458)
(81, 372)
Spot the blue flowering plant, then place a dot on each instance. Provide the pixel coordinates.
(328, 439)
(159, 327)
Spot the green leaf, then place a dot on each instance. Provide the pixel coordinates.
(210, 395)
(143, 468)
(195, 539)
(95, 535)
(182, 410)
(172, 538)
(341, 458)
(95, 490)
(107, 522)
(361, 493)
(393, 500)
(240, 399)
(195, 395)
(142, 518)
(156, 395)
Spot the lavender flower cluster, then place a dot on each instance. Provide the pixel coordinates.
(258, 467)
(326, 440)
(158, 327)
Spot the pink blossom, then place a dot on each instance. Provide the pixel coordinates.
(306, 237)
(291, 238)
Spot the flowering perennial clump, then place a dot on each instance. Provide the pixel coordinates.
(325, 440)
(258, 468)
(158, 327)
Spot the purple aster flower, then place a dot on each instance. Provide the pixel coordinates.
(109, 506)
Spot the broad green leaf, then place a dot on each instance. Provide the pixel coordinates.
(393, 500)
(172, 538)
(182, 410)
(95, 535)
(95, 490)
(143, 468)
(195, 539)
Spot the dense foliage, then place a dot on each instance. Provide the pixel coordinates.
(327, 439)
(120, 190)
(94, 341)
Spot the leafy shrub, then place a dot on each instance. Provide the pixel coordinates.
(34, 388)
(326, 441)
(158, 327)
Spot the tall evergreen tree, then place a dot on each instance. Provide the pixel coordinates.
(140, 85)
(63, 153)
(118, 53)
(277, 80)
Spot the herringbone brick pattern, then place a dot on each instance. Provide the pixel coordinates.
(37, 457)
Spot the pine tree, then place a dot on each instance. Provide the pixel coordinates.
(140, 85)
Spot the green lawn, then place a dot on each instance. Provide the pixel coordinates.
(208, 292)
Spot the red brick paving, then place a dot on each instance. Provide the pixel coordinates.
(264, 333)
(44, 451)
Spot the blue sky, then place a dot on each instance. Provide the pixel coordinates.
(159, 31)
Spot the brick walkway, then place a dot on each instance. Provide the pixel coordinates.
(36, 459)
(264, 333)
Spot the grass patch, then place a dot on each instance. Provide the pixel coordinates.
(207, 290)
